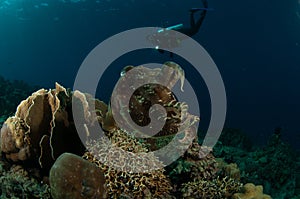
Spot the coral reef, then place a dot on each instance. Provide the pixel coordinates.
(231, 170)
(272, 166)
(192, 166)
(297, 177)
(250, 191)
(11, 94)
(16, 182)
(41, 140)
(198, 176)
(41, 129)
(73, 177)
(122, 180)
(218, 188)
(139, 174)
(236, 138)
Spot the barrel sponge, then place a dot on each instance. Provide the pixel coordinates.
(250, 191)
(73, 177)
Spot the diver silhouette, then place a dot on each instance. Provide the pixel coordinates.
(195, 26)
(188, 31)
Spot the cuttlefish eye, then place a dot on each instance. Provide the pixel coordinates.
(125, 70)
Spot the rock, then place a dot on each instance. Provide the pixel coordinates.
(76, 178)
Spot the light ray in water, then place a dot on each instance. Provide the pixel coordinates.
(44, 4)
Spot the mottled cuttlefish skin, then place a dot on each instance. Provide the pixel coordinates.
(179, 73)
(159, 91)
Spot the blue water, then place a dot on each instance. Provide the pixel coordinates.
(255, 44)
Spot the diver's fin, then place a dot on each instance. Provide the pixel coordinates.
(198, 9)
(161, 51)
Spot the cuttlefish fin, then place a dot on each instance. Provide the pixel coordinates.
(179, 72)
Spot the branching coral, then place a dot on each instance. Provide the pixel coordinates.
(218, 188)
(122, 180)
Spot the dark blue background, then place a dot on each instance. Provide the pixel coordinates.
(255, 44)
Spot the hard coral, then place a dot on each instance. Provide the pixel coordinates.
(16, 182)
(120, 174)
(12, 139)
(231, 170)
(73, 177)
(250, 191)
(43, 127)
(193, 166)
(130, 169)
(218, 188)
(198, 176)
(256, 165)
